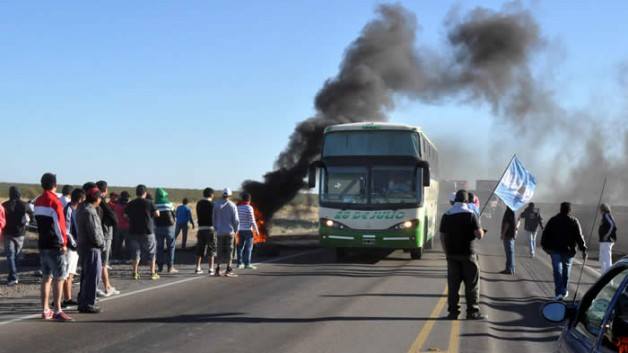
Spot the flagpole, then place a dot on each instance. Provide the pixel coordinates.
(584, 261)
(496, 185)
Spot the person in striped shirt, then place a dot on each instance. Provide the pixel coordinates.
(245, 232)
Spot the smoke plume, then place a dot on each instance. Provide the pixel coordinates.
(486, 60)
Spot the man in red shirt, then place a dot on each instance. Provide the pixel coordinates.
(52, 247)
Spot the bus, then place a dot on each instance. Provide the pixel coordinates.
(378, 188)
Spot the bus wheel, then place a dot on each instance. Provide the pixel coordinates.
(416, 254)
(429, 243)
(341, 254)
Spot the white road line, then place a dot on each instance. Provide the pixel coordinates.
(164, 285)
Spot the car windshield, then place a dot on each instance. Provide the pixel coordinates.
(344, 185)
(394, 185)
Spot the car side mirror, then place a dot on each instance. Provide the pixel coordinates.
(554, 312)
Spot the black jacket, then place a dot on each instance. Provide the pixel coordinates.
(16, 211)
(608, 229)
(562, 234)
(107, 215)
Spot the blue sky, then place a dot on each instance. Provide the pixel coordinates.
(197, 93)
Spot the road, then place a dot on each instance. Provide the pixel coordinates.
(305, 302)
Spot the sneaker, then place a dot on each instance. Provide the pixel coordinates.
(112, 291)
(506, 272)
(453, 316)
(250, 267)
(68, 303)
(136, 275)
(61, 316)
(476, 316)
(101, 294)
(230, 274)
(198, 271)
(47, 314)
(12, 283)
(173, 270)
(566, 294)
(155, 276)
(241, 266)
(90, 310)
(212, 272)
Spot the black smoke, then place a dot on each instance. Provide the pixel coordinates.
(486, 60)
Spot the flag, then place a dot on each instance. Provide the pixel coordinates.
(517, 186)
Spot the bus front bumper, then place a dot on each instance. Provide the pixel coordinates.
(377, 239)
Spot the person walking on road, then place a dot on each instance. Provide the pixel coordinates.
(76, 198)
(206, 243)
(164, 231)
(560, 238)
(184, 216)
(91, 240)
(532, 220)
(17, 215)
(246, 230)
(52, 247)
(141, 241)
(122, 231)
(608, 235)
(459, 228)
(109, 224)
(226, 222)
(508, 235)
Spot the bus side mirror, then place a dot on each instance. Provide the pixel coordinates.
(311, 175)
(426, 176)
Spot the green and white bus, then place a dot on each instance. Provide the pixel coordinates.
(378, 188)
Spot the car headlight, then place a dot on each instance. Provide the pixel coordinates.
(330, 223)
(406, 225)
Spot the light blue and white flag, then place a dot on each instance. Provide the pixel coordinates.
(517, 186)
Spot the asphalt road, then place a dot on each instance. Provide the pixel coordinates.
(306, 302)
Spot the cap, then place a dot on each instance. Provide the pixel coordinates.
(227, 192)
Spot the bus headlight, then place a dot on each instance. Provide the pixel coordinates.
(329, 223)
(406, 225)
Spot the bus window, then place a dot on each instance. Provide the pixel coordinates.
(394, 185)
(344, 185)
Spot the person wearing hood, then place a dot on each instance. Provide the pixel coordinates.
(17, 215)
(226, 222)
(164, 231)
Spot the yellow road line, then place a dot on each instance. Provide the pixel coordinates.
(429, 325)
(454, 337)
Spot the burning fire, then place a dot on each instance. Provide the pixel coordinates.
(262, 236)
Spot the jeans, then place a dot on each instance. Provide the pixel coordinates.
(245, 247)
(561, 264)
(182, 228)
(165, 234)
(606, 256)
(509, 247)
(532, 240)
(91, 270)
(12, 248)
(463, 269)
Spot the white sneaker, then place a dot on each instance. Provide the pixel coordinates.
(566, 294)
(240, 266)
(198, 271)
(212, 272)
(250, 267)
(112, 291)
(12, 283)
(101, 294)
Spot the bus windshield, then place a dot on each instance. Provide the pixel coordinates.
(393, 185)
(372, 143)
(345, 185)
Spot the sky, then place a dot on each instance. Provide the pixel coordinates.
(206, 93)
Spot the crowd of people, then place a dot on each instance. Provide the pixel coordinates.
(561, 239)
(80, 228)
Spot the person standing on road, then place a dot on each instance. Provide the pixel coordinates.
(226, 222)
(16, 213)
(184, 216)
(52, 247)
(560, 238)
(508, 235)
(246, 230)
(164, 231)
(65, 197)
(532, 220)
(109, 224)
(77, 196)
(91, 240)
(122, 231)
(206, 235)
(608, 235)
(141, 241)
(459, 228)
